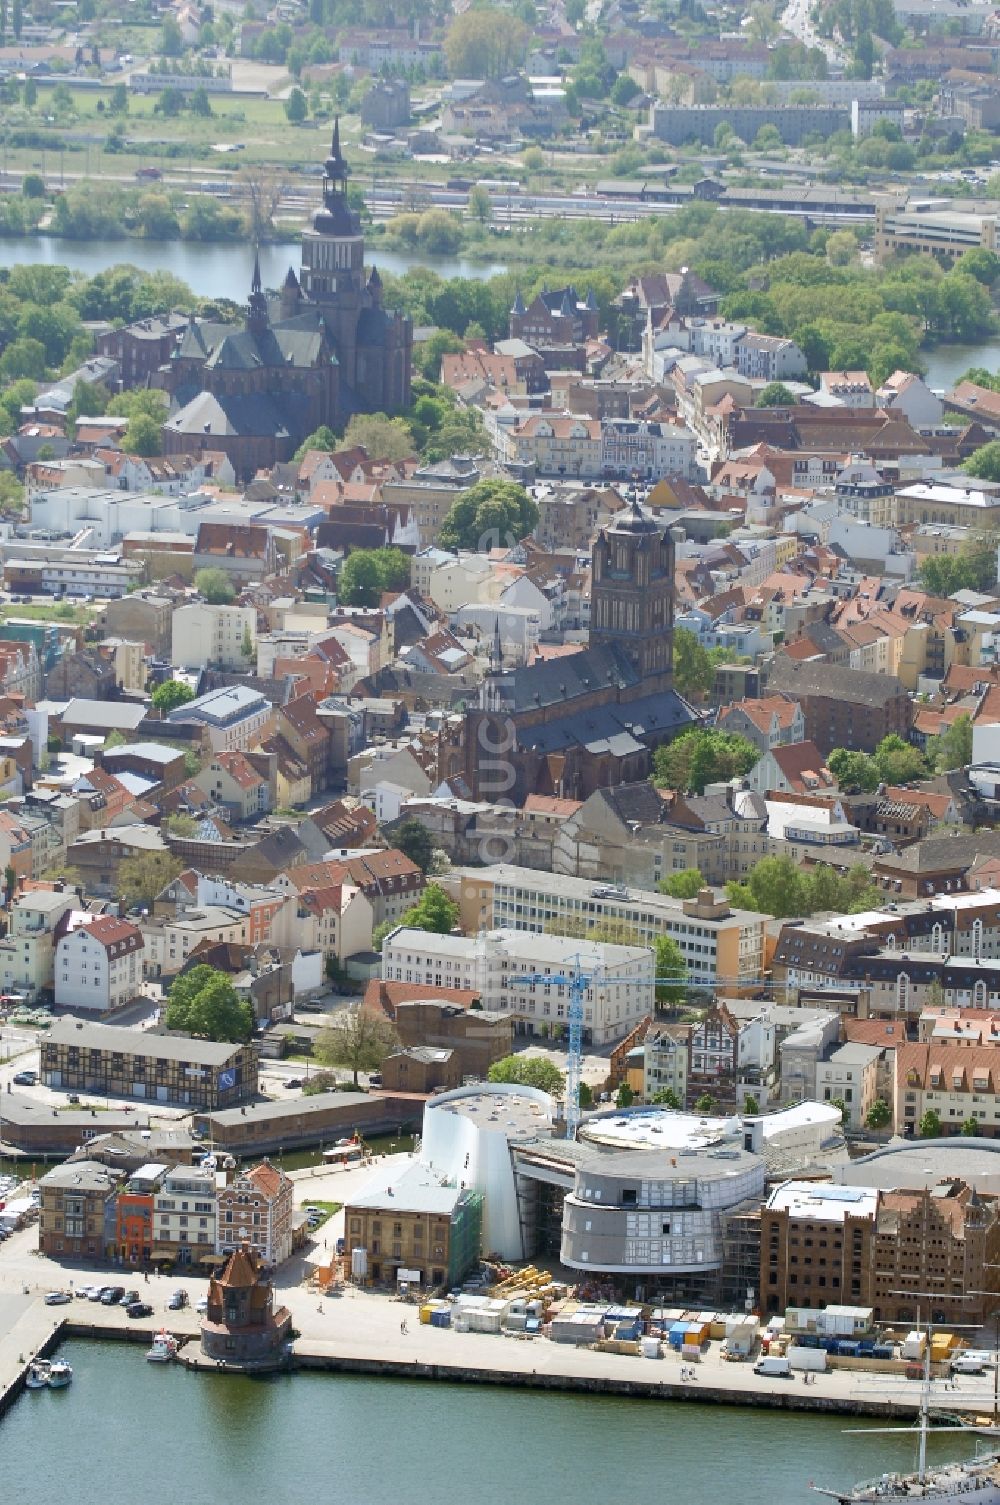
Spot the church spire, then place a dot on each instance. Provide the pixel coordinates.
(256, 303)
(496, 649)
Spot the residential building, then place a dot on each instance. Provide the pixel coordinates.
(665, 1053)
(849, 1075)
(133, 1241)
(170, 940)
(27, 953)
(336, 920)
(103, 1058)
(222, 636)
(98, 964)
(77, 1209)
(184, 1217)
(255, 1209)
(959, 1083)
(843, 707)
(233, 782)
(508, 969)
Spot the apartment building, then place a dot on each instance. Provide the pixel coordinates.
(959, 1082)
(170, 940)
(849, 1074)
(184, 1216)
(223, 636)
(716, 941)
(256, 1208)
(98, 964)
(509, 971)
(76, 1199)
(27, 953)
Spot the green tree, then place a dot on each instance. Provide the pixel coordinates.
(694, 672)
(585, 1096)
(705, 1104)
(143, 436)
(953, 748)
(776, 395)
(879, 1115)
(322, 438)
(683, 885)
(898, 761)
(367, 573)
(170, 103)
(854, 771)
(930, 1125)
(699, 757)
(670, 963)
(142, 877)
(199, 103)
(623, 90)
(750, 1104)
(247, 648)
(382, 437)
(170, 694)
(667, 1098)
(30, 90)
(841, 1106)
(33, 185)
(774, 886)
(214, 585)
(296, 107)
(119, 100)
(433, 911)
(485, 43)
(491, 514)
(970, 1127)
(171, 40)
(529, 1071)
(480, 204)
(984, 463)
(624, 1097)
(360, 1041)
(413, 839)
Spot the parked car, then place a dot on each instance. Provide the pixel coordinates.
(177, 1300)
(26, 1079)
(130, 1297)
(202, 1305)
(294, 1081)
(57, 1298)
(112, 1295)
(138, 1309)
(94, 1293)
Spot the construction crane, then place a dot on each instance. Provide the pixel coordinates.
(577, 980)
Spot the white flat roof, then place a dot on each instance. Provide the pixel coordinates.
(661, 1128)
(826, 1203)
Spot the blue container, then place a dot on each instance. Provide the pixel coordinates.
(883, 1351)
(849, 1348)
(441, 1318)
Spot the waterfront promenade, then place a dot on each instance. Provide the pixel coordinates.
(360, 1331)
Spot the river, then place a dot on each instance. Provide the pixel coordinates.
(165, 1436)
(211, 270)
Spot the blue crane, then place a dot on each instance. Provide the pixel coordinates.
(577, 980)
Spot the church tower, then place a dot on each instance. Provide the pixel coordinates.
(333, 262)
(632, 595)
(257, 319)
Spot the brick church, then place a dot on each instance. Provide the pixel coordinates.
(319, 350)
(570, 725)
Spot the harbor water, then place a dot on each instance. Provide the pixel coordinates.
(185, 1438)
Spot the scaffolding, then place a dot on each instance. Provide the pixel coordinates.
(465, 1246)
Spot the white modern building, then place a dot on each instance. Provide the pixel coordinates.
(184, 1213)
(510, 969)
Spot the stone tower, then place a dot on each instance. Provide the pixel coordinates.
(632, 594)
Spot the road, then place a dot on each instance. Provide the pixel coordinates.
(795, 20)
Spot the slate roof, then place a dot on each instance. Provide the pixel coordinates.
(220, 416)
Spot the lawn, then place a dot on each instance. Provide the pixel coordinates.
(61, 613)
(327, 1209)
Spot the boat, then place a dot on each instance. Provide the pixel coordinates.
(163, 1349)
(975, 1481)
(60, 1375)
(37, 1377)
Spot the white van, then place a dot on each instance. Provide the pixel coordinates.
(773, 1367)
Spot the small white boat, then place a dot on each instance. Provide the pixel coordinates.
(60, 1375)
(37, 1377)
(164, 1348)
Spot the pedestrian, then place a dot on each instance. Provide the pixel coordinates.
(402, 1326)
(320, 1307)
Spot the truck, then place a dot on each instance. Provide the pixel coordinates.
(972, 1361)
(773, 1368)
